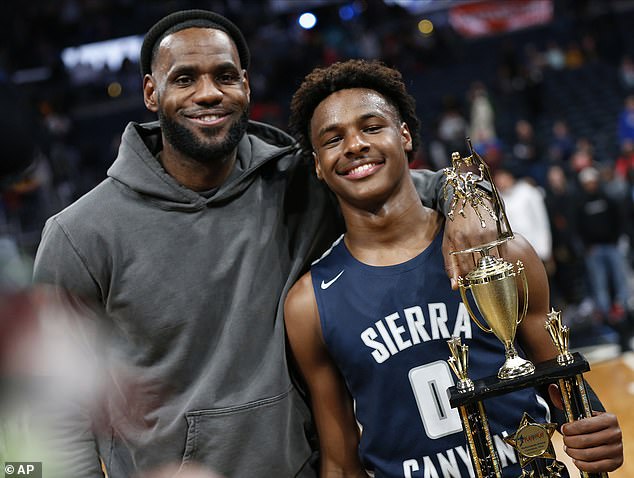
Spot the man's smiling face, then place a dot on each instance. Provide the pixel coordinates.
(200, 93)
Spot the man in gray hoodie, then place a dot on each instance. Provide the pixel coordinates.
(184, 255)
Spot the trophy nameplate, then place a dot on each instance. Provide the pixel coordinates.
(532, 442)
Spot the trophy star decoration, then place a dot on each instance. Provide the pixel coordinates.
(560, 335)
(555, 469)
(459, 362)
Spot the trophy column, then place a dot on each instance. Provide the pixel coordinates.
(573, 389)
(486, 463)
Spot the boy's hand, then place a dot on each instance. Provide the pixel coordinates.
(462, 233)
(595, 444)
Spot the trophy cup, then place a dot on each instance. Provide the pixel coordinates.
(497, 287)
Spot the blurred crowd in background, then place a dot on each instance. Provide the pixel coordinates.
(549, 106)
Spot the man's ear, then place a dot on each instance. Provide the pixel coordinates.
(150, 94)
(245, 82)
(317, 166)
(406, 137)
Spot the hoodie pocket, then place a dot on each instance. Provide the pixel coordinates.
(265, 438)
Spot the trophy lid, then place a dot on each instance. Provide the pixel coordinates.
(490, 269)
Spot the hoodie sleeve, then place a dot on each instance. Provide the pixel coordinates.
(72, 440)
(59, 262)
(430, 186)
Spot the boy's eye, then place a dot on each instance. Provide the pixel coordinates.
(331, 141)
(373, 129)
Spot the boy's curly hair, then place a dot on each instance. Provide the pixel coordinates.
(373, 75)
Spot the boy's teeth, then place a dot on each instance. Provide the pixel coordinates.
(359, 169)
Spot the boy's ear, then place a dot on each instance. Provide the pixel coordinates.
(406, 137)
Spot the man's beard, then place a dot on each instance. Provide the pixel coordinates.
(187, 142)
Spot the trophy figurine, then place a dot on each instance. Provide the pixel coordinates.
(500, 294)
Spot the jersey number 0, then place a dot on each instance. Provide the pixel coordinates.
(430, 383)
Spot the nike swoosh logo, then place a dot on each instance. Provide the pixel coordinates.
(325, 285)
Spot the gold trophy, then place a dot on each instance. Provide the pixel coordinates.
(497, 287)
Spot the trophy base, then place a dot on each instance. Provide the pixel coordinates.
(568, 375)
(515, 367)
(546, 372)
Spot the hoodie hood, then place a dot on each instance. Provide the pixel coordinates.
(137, 168)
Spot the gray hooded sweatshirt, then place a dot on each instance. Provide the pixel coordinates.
(189, 290)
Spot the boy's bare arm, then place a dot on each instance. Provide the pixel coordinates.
(331, 403)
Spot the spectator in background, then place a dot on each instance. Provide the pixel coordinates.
(533, 92)
(17, 162)
(614, 185)
(589, 51)
(525, 209)
(629, 215)
(574, 56)
(625, 169)
(625, 161)
(452, 126)
(555, 57)
(527, 153)
(626, 74)
(482, 124)
(535, 59)
(482, 115)
(439, 156)
(562, 144)
(64, 156)
(568, 271)
(583, 155)
(626, 121)
(600, 226)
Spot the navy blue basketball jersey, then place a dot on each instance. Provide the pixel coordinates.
(387, 330)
